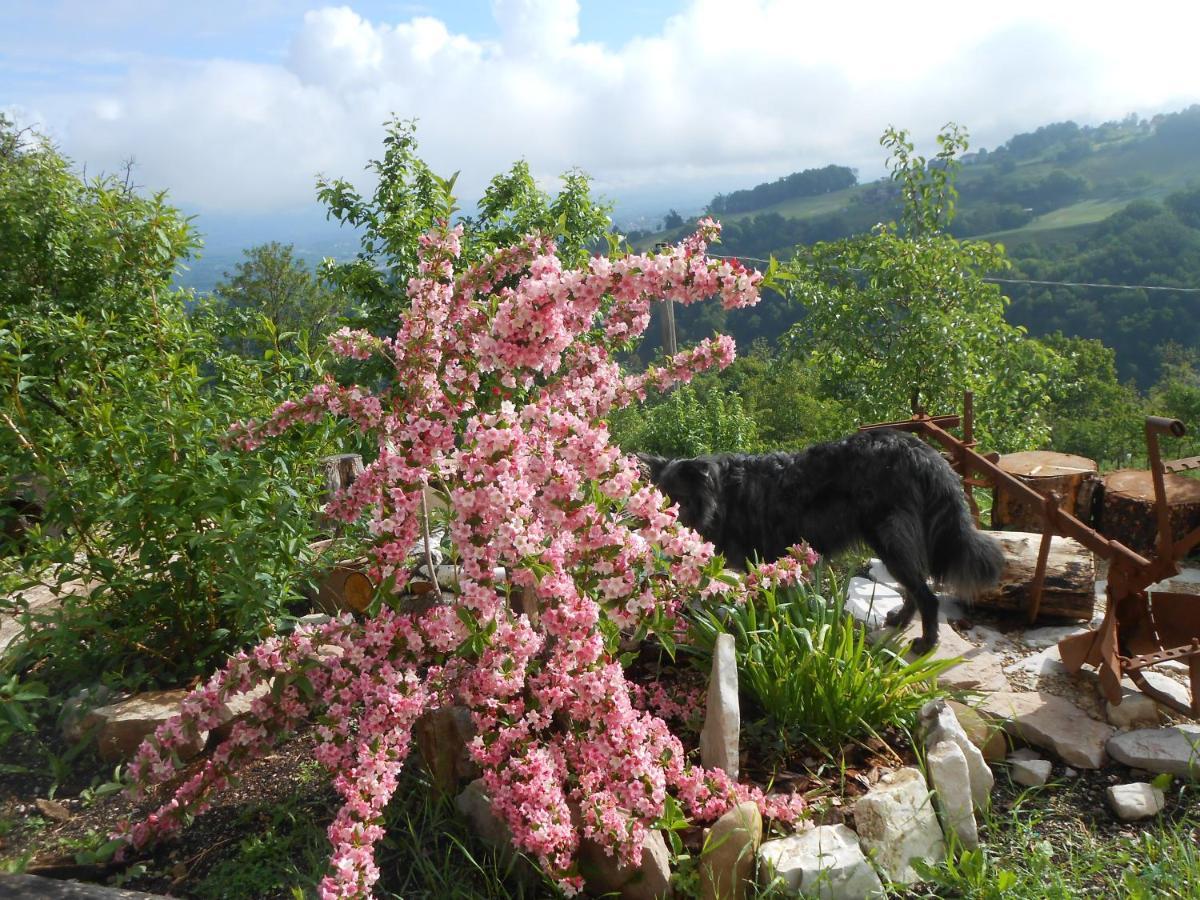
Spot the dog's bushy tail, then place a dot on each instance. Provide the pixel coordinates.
(962, 557)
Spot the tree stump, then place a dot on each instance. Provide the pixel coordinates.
(1128, 512)
(1069, 589)
(341, 471)
(1073, 478)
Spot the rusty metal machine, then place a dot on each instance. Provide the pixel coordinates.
(1141, 628)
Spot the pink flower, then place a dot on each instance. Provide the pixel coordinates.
(504, 374)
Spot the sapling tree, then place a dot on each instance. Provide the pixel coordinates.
(907, 309)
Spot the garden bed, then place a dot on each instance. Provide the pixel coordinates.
(266, 836)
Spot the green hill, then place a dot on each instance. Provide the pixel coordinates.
(1060, 176)
(1113, 204)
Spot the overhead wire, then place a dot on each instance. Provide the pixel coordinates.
(1078, 284)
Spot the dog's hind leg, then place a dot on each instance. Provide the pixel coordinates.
(900, 557)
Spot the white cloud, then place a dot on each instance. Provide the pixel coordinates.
(736, 90)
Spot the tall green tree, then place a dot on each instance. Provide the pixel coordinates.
(905, 311)
(271, 296)
(409, 197)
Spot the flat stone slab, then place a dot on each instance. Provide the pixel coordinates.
(1046, 663)
(121, 727)
(879, 572)
(979, 668)
(1050, 635)
(870, 602)
(34, 887)
(1052, 723)
(1172, 750)
(38, 598)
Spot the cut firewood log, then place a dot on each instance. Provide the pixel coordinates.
(1073, 478)
(1128, 512)
(1068, 591)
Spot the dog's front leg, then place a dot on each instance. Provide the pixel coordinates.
(899, 618)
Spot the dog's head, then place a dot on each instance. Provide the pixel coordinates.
(692, 484)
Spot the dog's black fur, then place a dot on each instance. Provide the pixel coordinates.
(883, 488)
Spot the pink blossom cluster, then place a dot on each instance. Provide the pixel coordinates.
(503, 374)
(786, 571)
(671, 702)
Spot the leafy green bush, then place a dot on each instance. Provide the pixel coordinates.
(1091, 413)
(114, 403)
(689, 423)
(810, 672)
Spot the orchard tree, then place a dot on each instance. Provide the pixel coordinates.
(905, 310)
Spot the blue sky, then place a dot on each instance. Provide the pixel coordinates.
(234, 106)
(71, 44)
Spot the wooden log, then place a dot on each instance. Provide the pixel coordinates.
(1128, 513)
(1073, 478)
(1070, 585)
(345, 587)
(341, 471)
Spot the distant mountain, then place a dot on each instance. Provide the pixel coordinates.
(1060, 176)
(1117, 203)
(224, 237)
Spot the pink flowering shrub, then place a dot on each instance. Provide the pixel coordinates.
(503, 375)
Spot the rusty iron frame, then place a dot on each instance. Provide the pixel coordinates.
(1139, 629)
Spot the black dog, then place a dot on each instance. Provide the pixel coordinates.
(887, 489)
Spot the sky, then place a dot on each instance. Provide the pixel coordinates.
(235, 106)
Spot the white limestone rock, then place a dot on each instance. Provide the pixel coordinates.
(1025, 753)
(879, 572)
(825, 862)
(897, 824)
(721, 733)
(238, 708)
(1044, 664)
(1052, 723)
(1135, 710)
(1030, 772)
(1176, 690)
(1134, 802)
(870, 602)
(1049, 635)
(1172, 750)
(939, 723)
(951, 779)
